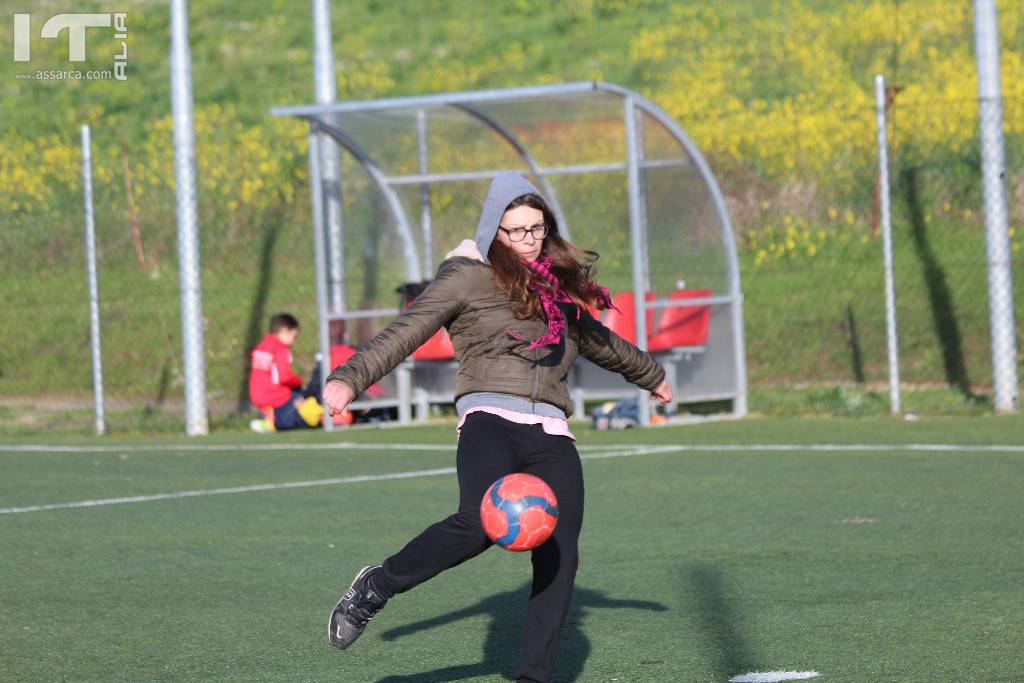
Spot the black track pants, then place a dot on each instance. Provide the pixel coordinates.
(490, 447)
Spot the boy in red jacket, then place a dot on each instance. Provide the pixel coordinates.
(273, 387)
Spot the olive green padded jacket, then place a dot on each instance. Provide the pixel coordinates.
(464, 298)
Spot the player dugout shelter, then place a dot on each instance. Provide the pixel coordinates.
(396, 183)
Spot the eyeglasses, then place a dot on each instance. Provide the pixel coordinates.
(539, 232)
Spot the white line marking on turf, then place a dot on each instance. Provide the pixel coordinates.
(773, 676)
(633, 450)
(721, 448)
(841, 447)
(136, 448)
(284, 485)
(626, 450)
(227, 490)
(341, 445)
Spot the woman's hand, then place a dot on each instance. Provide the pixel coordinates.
(663, 394)
(337, 396)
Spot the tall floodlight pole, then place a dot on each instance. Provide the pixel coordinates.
(997, 239)
(189, 276)
(94, 288)
(330, 160)
(890, 285)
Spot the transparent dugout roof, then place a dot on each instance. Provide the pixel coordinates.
(415, 170)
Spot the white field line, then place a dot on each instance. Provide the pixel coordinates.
(337, 446)
(284, 485)
(623, 452)
(855, 447)
(227, 490)
(349, 445)
(211, 447)
(774, 676)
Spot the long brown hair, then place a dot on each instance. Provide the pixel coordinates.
(572, 265)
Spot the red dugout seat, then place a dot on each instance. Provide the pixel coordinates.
(682, 325)
(438, 347)
(624, 323)
(678, 326)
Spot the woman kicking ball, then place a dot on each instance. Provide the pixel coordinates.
(514, 301)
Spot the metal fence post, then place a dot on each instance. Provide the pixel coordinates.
(189, 274)
(891, 336)
(428, 239)
(997, 239)
(94, 289)
(637, 232)
(317, 198)
(330, 158)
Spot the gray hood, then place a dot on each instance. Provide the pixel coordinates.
(504, 188)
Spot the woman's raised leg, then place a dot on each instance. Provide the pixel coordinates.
(486, 451)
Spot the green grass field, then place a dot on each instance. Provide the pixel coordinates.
(697, 564)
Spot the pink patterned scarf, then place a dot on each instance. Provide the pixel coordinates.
(547, 287)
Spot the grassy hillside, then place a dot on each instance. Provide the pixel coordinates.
(777, 94)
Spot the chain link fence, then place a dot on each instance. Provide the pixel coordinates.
(812, 254)
(254, 263)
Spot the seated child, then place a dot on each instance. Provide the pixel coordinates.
(273, 387)
(341, 351)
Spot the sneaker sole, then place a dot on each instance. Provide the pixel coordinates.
(347, 595)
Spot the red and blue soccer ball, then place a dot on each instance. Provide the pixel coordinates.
(519, 512)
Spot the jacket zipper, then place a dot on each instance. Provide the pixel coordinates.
(536, 374)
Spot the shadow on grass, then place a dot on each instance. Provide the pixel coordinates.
(257, 312)
(717, 621)
(153, 410)
(853, 340)
(504, 632)
(940, 295)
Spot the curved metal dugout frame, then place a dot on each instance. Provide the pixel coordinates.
(318, 116)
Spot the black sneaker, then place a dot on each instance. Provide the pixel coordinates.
(355, 609)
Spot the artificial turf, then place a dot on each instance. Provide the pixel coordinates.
(888, 565)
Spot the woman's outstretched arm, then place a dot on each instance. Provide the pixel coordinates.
(443, 299)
